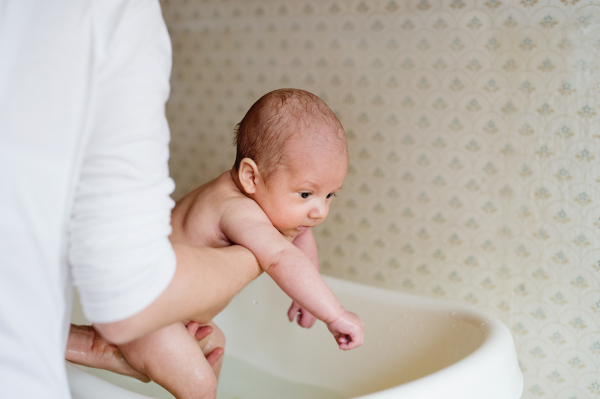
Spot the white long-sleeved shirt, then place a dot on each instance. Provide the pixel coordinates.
(84, 184)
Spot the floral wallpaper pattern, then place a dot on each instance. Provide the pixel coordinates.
(474, 136)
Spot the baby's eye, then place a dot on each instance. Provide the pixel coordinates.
(305, 195)
(330, 195)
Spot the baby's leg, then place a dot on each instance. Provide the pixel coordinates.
(173, 359)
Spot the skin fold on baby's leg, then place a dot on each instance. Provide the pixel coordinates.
(174, 359)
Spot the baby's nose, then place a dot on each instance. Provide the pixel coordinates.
(319, 212)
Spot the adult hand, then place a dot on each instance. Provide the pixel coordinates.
(210, 346)
(86, 347)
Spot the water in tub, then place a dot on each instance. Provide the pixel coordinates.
(239, 380)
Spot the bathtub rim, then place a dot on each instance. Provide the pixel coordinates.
(498, 341)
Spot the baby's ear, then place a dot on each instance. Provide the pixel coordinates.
(248, 175)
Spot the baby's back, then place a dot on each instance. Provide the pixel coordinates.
(196, 217)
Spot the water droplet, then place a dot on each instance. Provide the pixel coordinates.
(255, 302)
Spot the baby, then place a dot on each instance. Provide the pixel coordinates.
(292, 158)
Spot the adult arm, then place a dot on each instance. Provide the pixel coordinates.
(205, 281)
(130, 278)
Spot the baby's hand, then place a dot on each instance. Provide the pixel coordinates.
(305, 318)
(347, 330)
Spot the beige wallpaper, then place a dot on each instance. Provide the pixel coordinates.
(474, 135)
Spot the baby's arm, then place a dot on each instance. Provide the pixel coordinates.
(307, 244)
(244, 223)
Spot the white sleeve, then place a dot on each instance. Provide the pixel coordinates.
(119, 253)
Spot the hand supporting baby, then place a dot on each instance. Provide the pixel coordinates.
(174, 358)
(87, 348)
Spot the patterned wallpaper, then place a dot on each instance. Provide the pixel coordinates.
(474, 136)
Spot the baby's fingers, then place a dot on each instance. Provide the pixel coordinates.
(343, 339)
(356, 338)
(294, 309)
(305, 319)
(345, 342)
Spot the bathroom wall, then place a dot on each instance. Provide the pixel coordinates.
(474, 136)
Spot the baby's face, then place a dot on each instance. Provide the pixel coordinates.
(297, 195)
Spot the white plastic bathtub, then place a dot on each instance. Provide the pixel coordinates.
(414, 348)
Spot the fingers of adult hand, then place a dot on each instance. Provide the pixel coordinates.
(203, 332)
(140, 376)
(214, 356)
(294, 309)
(192, 327)
(111, 358)
(116, 363)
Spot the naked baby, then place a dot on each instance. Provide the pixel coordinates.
(291, 160)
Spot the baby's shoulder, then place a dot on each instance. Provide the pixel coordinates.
(223, 196)
(197, 217)
(224, 190)
(206, 200)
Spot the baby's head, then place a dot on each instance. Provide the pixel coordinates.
(292, 158)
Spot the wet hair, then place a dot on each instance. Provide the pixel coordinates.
(278, 116)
